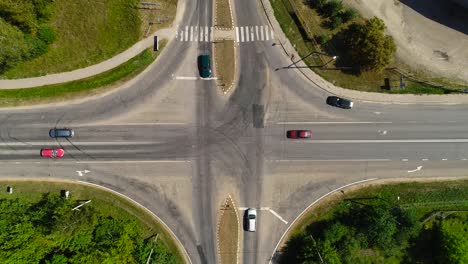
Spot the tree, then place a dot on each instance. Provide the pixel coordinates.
(454, 238)
(369, 47)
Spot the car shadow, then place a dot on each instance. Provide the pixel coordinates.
(448, 13)
(245, 221)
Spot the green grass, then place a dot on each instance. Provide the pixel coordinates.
(301, 38)
(80, 88)
(87, 32)
(423, 197)
(104, 201)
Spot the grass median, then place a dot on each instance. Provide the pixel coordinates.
(80, 88)
(225, 63)
(302, 25)
(223, 14)
(387, 222)
(228, 233)
(103, 201)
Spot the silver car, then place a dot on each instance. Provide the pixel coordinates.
(252, 219)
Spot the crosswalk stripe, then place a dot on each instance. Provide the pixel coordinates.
(191, 33)
(212, 34)
(252, 38)
(237, 34)
(201, 35)
(186, 33)
(261, 33)
(272, 34)
(256, 32)
(247, 35)
(266, 33)
(195, 34)
(206, 34)
(242, 34)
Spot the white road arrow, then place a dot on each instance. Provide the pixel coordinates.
(80, 173)
(417, 169)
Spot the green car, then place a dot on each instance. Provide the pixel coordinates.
(204, 66)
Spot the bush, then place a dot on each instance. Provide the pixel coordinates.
(322, 39)
(332, 8)
(335, 22)
(348, 15)
(46, 34)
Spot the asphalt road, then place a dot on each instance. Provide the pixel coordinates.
(179, 147)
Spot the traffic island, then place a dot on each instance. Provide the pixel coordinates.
(223, 14)
(224, 63)
(228, 233)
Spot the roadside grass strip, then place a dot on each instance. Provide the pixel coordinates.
(223, 14)
(81, 88)
(225, 63)
(228, 233)
(31, 190)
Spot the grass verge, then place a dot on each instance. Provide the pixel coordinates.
(302, 25)
(102, 200)
(423, 197)
(228, 233)
(89, 32)
(80, 88)
(223, 14)
(225, 63)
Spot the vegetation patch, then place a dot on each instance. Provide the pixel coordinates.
(228, 233)
(395, 223)
(223, 14)
(80, 88)
(225, 63)
(38, 225)
(317, 29)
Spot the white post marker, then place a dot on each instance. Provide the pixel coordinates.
(417, 169)
(76, 208)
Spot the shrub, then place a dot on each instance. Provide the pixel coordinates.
(347, 15)
(323, 39)
(332, 8)
(335, 22)
(46, 34)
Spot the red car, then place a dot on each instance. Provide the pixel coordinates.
(299, 134)
(52, 153)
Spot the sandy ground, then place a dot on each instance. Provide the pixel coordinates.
(431, 35)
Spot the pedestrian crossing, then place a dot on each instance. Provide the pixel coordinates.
(242, 34)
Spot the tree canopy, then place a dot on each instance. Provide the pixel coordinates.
(368, 48)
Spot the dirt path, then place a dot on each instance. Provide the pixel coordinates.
(431, 35)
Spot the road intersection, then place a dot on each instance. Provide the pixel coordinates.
(179, 147)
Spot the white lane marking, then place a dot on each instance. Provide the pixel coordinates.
(272, 34)
(181, 35)
(177, 34)
(266, 33)
(377, 113)
(261, 33)
(186, 33)
(444, 159)
(202, 35)
(266, 209)
(129, 161)
(237, 34)
(340, 160)
(361, 141)
(332, 123)
(424, 159)
(191, 33)
(207, 34)
(186, 78)
(278, 216)
(404, 159)
(80, 173)
(195, 33)
(306, 209)
(78, 143)
(247, 34)
(180, 245)
(382, 132)
(242, 34)
(252, 34)
(463, 159)
(417, 169)
(145, 124)
(256, 32)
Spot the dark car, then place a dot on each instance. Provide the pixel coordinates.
(61, 132)
(299, 134)
(204, 66)
(340, 102)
